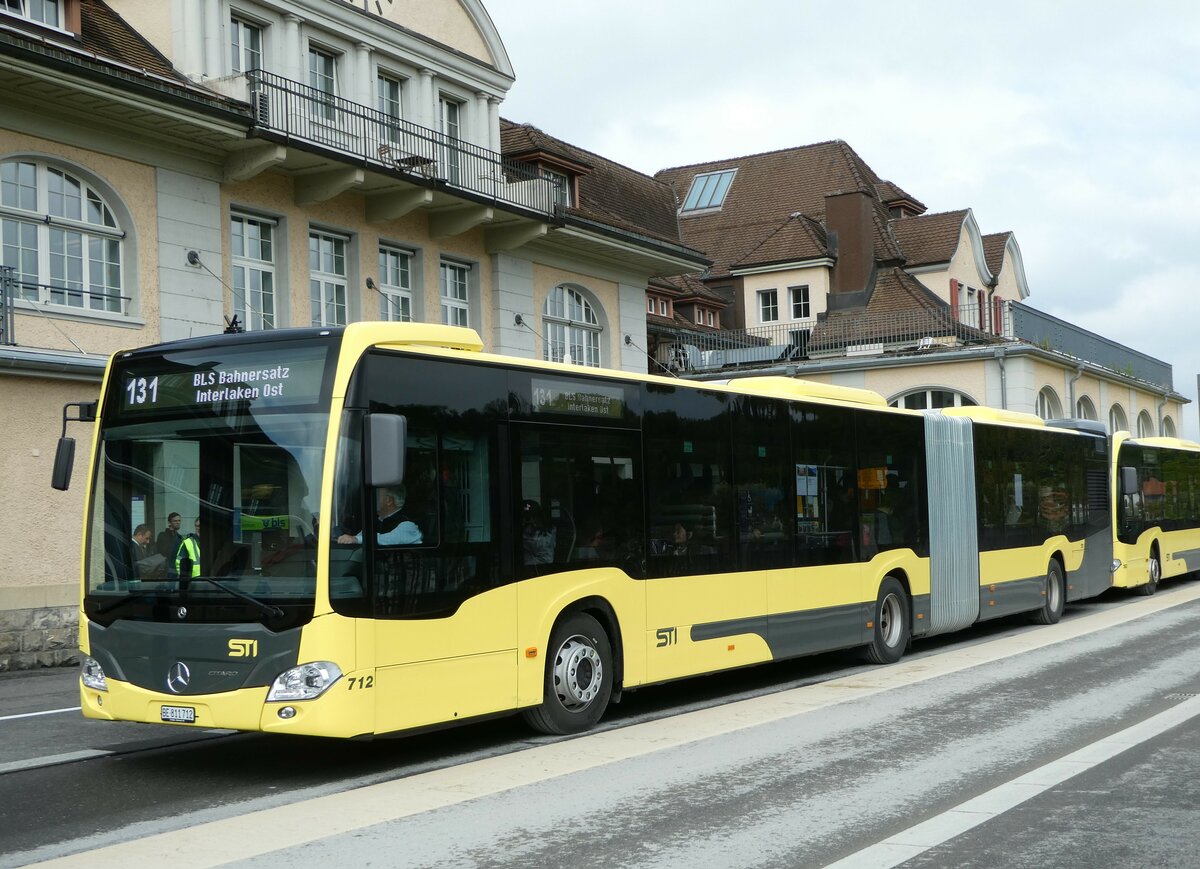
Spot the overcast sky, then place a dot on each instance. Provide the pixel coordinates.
(1074, 124)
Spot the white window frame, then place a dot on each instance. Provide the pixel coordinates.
(1117, 419)
(454, 287)
(257, 308)
(328, 287)
(1145, 425)
(1048, 405)
(562, 185)
(324, 106)
(73, 256)
(768, 303)
(572, 329)
(450, 117)
(242, 58)
(392, 109)
(650, 306)
(664, 308)
(395, 283)
(960, 400)
(798, 298)
(25, 13)
(712, 319)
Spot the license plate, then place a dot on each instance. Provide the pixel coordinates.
(179, 714)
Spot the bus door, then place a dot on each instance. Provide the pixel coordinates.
(704, 609)
(578, 501)
(443, 610)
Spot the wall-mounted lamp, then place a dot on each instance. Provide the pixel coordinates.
(193, 257)
(628, 340)
(518, 320)
(371, 284)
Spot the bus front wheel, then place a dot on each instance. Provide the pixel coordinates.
(891, 624)
(1052, 607)
(578, 680)
(1153, 575)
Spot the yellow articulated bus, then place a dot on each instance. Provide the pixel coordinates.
(372, 529)
(1156, 510)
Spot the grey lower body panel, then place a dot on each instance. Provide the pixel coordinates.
(1094, 575)
(1190, 559)
(953, 530)
(804, 632)
(1015, 596)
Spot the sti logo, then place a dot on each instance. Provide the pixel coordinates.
(243, 648)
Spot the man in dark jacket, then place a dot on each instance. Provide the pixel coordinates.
(170, 538)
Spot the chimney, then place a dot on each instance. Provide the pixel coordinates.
(850, 228)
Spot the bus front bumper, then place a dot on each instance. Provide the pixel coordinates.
(351, 714)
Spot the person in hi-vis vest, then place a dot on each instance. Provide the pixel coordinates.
(189, 548)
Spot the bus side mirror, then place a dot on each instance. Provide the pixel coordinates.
(387, 437)
(64, 461)
(1129, 481)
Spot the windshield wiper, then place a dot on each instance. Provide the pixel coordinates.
(269, 609)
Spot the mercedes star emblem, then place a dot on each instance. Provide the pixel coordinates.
(178, 677)
(182, 612)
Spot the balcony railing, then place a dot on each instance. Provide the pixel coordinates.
(904, 332)
(307, 114)
(7, 287)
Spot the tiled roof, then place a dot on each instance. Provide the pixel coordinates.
(993, 251)
(766, 190)
(901, 309)
(929, 238)
(796, 238)
(106, 34)
(688, 287)
(610, 193)
(888, 191)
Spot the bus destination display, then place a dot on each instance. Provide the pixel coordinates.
(261, 379)
(591, 399)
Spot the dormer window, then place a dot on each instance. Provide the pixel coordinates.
(708, 190)
(47, 12)
(562, 186)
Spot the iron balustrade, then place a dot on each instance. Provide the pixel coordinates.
(835, 336)
(300, 112)
(7, 286)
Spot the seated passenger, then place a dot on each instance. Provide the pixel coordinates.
(394, 527)
(537, 535)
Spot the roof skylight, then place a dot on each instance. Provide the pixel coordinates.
(708, 190)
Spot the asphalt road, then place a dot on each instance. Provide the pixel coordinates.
(797, 764)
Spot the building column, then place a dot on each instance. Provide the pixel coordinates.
(426, 108)
(213, 67)
(192, 40)
(494, 123)
(362, 76)
(481, 133)
(293, 49)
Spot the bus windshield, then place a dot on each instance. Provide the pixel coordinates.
(208, 483)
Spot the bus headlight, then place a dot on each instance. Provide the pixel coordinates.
(1116, 565)
(92, 674)
(306, 682)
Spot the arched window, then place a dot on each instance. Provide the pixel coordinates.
(1084, 409)
(61, 237)
(1117, 420)
(571, 328)
(932, 399)
(1145, 425)
(1048, 405)
(1169, 427)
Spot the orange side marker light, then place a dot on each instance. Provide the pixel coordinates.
(870, 625)
(730, 647)
(531, 652)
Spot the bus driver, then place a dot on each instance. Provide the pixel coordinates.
(395, 528)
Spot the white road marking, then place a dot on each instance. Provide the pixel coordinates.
(254, 834)
(35, 714)
(979, 810)
(52, 760)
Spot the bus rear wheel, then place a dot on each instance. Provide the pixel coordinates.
(1153, 575)
(1052, 607)
(892, 626)
(578, 680)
